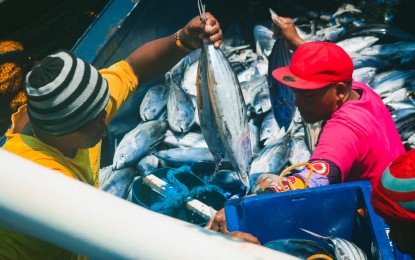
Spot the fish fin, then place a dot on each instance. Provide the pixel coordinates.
(314, 234)
(115, 144)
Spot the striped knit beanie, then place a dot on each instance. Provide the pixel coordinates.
(64, 93)
(393, 198)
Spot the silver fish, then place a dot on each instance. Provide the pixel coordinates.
(180, 109)
(136, 143)
(365, 74)
(148, 164)
(189, 139)
(272, 158)
(357, 44)
(262, 102)
(188, 83)
(389, 49)
(119, 182)
(392, 82)
(251, 88)
(264, 37)
(328, 34)
(298, 152)
(207, 119)
(200, 159)
(254, 131)
(258, 68)
(230, 111)
(154, 102)
(270, 129)
(104, 175)
(343, 249)
(396, 96)
(312, 133)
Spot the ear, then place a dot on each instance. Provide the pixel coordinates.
(341, 90)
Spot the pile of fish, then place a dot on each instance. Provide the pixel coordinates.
(220, 111)
(334, 248)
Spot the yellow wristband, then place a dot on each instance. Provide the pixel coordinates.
(180, 44)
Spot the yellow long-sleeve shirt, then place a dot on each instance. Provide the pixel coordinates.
(84, 166)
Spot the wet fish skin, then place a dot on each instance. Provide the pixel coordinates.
(384, 32)
(389, 49)
(365, 74)
(299, 152)
(147, 164)
(136, 143)
(272, 158)
(189, 139)
(229, 181)
(119, 182)
(188, 83)
(264, 36)
(252, 87)
(270, 131)
(254, 133)
(230, 111)
(262, 102)
(207, 119)
(281, 96)
(180, 108)
(154, 102)
(392, 81)
(357, 44)
(380, 64)
(343, 249)
(199, 158)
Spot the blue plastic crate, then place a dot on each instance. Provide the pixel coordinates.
(328, 211)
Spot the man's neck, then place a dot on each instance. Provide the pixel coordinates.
(49, 140)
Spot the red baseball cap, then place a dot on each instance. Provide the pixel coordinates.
(315, 65)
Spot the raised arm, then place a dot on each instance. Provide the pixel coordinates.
(285, 27)
(157, 57)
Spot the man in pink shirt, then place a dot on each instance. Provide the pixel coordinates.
(358, 139)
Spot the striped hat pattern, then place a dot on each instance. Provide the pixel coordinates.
(64, 93)
(394, 196)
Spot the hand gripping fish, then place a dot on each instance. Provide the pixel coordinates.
(229, 109)
(343, 249)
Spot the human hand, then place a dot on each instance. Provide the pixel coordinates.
(218, 222)
(196, 32)
(245, 237)
(285, 27)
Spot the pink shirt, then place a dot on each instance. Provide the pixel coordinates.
(360, 138)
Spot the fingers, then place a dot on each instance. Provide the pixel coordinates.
(282, 21)
(212, 32)
(218, 222)
(245, 237)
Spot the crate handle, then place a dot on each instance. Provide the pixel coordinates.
(287, 170)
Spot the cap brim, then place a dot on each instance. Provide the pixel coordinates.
(286, 77)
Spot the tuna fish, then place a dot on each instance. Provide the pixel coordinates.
(207, 119)
(180, 109)
(136, 143)
(154, 102)
(119, 182)
(343, 249)
(230, 111)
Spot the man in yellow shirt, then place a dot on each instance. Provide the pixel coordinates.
(68, 106)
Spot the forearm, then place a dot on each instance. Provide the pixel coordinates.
(159, 56)
(155, 58)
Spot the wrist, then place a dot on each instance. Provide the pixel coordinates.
(179, 43)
